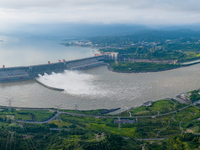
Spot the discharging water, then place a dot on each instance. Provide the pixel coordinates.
(99, 88)
(96, 88)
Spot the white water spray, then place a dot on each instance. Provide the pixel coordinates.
(75, 83)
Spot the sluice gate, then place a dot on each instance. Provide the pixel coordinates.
(29, 72)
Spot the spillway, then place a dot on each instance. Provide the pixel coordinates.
(29, 72)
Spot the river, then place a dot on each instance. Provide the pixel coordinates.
(90, 89)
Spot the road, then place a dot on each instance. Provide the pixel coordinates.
(96, 116)
(166, 126)
(181, 122)
(40, 122)
(192, 120)
(150, 139)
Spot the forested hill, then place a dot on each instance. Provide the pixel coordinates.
(147, 36)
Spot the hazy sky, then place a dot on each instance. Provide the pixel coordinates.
(99, 11)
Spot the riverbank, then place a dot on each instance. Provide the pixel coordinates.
(120, 71)
(112, 67)
(161, 120)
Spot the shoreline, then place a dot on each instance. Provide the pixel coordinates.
(147, 103)
(111, 69)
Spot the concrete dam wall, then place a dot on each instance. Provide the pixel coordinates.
(30, 72)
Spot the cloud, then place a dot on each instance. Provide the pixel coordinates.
(100, 11)
(130, 4)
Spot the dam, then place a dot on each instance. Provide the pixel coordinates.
(29, 72)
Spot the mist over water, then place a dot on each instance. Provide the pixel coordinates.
(75, 83)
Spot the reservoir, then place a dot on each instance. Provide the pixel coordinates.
(90, 89)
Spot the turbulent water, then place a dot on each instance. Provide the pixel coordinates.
(94, 88)
(76, 83)
(100, 88)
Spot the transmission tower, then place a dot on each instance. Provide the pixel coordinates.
(76, 107)
(130, 114)
(143, 146)
(58, 112)
(9, 105)
(11, 139)
(58, 107)
(119, 127)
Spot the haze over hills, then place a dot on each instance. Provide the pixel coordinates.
(73, 30)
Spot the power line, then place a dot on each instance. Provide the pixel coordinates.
(58, 112)
(119, 127)
(30, 138)
(76, 107)
(24, 138)
(9, 105)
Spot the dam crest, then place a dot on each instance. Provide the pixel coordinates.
(30, 72)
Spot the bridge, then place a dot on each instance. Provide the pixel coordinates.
(29, 72)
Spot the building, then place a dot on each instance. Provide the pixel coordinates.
(147, 103)
(111, 55)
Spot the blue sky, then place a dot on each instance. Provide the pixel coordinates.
(147, 12)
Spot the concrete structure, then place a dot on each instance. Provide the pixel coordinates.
(150, 60)
(30, 72)
(147, 103)
(108, 110)
(185, 97)
(111, 55)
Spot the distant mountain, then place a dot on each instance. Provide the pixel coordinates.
(146, 36)
(195, 27)
(71, 30)
(154, 35)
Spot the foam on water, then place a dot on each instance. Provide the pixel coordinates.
(75, 83)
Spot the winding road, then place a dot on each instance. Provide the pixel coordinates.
(96, 116)
(40, 122)
(166, 126)
(181, 122)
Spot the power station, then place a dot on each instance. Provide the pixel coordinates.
(29, 72)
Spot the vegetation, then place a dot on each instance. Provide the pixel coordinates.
(161, 106)
(180, 142)
(146, 52)
(86, 112)
(195, 96)
(179, 36)
(170, 46)
(88, 132)
(174, 50)
(141, 66)
(34, 115)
